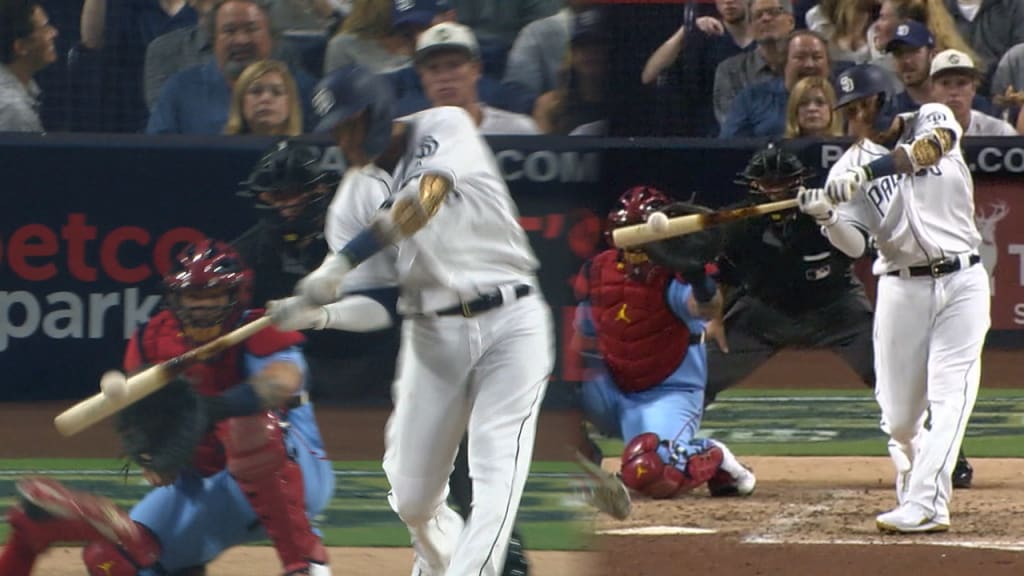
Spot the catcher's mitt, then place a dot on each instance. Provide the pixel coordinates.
(161, 431)
(689, 253)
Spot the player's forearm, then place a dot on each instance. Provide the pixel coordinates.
(268, 389)
(663, 57)
(913, 157)
(846, 237)
(357, 313)
(93, 23)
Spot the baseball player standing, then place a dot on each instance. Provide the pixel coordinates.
(916, 204)
(477, 340)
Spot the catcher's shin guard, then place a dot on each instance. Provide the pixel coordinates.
(644, 470)
(272, 482)
(50, 513)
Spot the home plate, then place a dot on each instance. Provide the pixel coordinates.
(657, 531)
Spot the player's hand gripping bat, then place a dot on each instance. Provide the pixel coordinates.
(638, 234)
(102, 405)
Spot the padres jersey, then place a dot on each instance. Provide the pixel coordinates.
(361, 194)
(917, 218)
(474, 243)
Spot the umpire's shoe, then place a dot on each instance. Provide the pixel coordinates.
(963, 473)
(515, 561)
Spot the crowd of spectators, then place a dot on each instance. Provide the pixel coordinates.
(250, 66)
(734, 68)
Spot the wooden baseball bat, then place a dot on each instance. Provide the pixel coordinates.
(99, 406)
(638, 234)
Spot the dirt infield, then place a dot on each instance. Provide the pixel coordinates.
(815, 516)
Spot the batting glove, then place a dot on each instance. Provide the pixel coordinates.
(843, 187)
(323, 285)
(815, 203)
(296, 313)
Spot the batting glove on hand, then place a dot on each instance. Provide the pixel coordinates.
(815, 202)
(296, 313)
(844, 187)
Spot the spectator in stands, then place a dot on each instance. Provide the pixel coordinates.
(760, 110)
(772, 21)
(116, 35)
(196, 100)
(580, 98)
(931, 13)
(539, 52)
(304, 15)
(265, 102)
(912, 48)
(380, 37)
(26, 47)
(991, 27)
(847, 26)
(683, 67)
(955, 81)
(448, 62)
(810, 112)
(496, 24)
(189, 46)
(1009, 75)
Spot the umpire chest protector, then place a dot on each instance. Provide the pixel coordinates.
(640, 338)
(162, 339)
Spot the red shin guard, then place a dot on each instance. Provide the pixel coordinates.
(272, 482)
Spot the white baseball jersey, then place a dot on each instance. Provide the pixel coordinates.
(917, 218)
(360, 196)
(474, 243)
(984, 125)
(497, 121)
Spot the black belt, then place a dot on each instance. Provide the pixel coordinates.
(937, 268)
(484, 303)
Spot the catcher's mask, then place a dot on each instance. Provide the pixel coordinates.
(208, 289)
(774, 172)
(633, 207)
(289, 183)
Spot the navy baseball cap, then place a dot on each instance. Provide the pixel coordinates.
(418, 13)
(588, 27)
(911, 33)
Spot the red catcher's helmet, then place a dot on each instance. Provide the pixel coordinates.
(633, 207)
(208, 269)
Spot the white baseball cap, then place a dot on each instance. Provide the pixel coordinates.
(447, 36)
(951, 61)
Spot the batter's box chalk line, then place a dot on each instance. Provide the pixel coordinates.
(657, 531)
(904, 540)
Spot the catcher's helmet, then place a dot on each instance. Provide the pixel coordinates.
(290, 182)
(772, 170)
(349, 91)
(208, 268)
(633, 207)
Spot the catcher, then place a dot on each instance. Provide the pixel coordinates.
(233, 451)
(641, 327)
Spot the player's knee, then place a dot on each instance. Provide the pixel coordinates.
(254, 445)
(104, 558)
(643, 469)
(412, 506)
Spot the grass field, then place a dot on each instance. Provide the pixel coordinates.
(751, 422)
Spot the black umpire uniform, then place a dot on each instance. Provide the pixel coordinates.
(793, 289)
(281, 251)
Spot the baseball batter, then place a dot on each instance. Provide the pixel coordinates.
(916, 204)
(477, 342)
(641, 326)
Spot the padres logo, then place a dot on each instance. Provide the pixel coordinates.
(846, 84)
(954, 59)
(323, 101)
(427, 147)
(403, 5)
(902, 30)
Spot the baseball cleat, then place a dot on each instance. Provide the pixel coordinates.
(608, 494)
(55, 499)
(723, 484)
(963, 473)
(909, 519)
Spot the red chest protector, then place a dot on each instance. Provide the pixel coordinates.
(161, 339)
(641, 340)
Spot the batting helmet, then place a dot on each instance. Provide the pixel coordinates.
(208, 268)
(773, 170)
(862, 81)
(349, 91)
